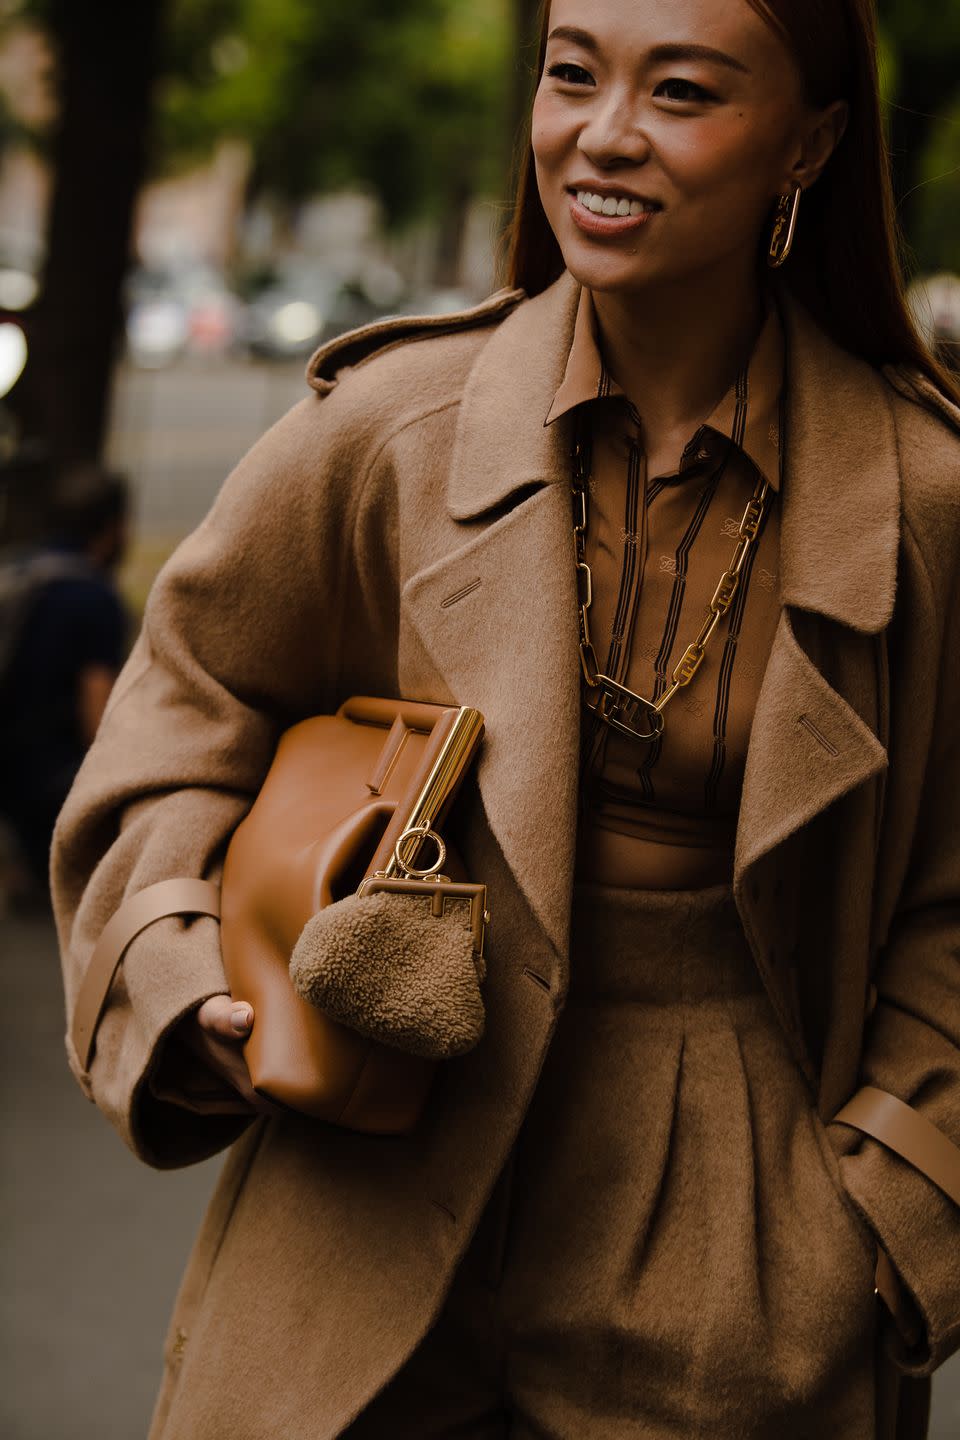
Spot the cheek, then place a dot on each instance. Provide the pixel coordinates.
(548, 131)
(722, 157)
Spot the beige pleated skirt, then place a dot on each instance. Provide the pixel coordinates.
(669, 1252)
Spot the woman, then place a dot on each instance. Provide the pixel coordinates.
(629, 1210)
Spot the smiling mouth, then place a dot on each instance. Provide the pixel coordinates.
(619, 206)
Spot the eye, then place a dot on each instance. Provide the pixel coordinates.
(564, 65)
(698, 91)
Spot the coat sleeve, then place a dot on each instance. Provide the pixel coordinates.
(912, 1042)
(241, 637)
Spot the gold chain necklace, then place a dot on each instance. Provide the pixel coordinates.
(618, 707)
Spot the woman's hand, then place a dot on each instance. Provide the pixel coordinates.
(215, 1032)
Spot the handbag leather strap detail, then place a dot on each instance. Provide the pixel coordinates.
(902, 1128)
(168, 897)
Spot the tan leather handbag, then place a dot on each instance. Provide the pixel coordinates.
(344, 811)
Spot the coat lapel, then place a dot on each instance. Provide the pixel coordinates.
(497, 614)
(840, 523)
(498, 619)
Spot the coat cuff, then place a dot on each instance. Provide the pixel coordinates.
(916, 1221)
(170, 968)
(179, 1077)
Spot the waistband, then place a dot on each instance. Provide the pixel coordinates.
(658, 944)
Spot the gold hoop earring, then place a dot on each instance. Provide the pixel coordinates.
(785, 219)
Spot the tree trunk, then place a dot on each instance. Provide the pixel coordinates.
(107, 64)
(450, 236)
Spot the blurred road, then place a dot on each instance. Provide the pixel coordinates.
(178, 432)
(94, 1242)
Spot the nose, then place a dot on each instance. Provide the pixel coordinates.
(611, 133)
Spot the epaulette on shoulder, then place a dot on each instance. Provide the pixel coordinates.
(914, 385)
(355, 347)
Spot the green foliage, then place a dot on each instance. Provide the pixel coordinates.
(937, 238)
(920, 61)
(925, 29)
(410, 99)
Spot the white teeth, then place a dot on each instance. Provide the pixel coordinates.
(610, 205)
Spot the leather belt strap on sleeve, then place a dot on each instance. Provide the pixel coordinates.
(902, 1128)
(167, 897)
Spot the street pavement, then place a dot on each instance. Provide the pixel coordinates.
(94, 1241)
(179, 432)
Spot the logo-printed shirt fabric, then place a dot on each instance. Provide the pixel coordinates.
(663, 815)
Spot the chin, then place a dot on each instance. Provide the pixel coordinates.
(622, 272)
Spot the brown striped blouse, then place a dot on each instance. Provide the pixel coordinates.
(663, 815)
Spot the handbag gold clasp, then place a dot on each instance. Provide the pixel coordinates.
(441, 889)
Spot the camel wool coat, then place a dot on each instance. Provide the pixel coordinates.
(406, 529)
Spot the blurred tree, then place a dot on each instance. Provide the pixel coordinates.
(409, 100)
(922, 47)
(98, 154)
(936, 230)
(525, 38)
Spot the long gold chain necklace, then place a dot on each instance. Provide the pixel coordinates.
(620, 708)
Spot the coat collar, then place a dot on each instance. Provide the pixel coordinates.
(841, 502)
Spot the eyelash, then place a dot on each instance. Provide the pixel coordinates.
(701, 93)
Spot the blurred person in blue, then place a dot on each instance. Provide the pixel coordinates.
(63, 638)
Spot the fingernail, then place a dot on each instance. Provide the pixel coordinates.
(240, 1017)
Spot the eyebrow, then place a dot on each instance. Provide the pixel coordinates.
(658, 53)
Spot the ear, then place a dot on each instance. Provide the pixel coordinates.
(822, 134)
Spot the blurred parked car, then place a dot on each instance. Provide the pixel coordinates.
(299, 306)
(178, 313)
(287, 311)
(440, 301)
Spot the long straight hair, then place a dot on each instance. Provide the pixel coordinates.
(848, 260)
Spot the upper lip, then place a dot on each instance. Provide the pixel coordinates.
(610, 187)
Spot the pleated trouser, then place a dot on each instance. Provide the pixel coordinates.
(669, 1251)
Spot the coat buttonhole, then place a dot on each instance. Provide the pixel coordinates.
(459, 594)
(537, 979)
(817, 734)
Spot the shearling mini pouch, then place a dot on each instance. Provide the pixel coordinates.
(395, 967)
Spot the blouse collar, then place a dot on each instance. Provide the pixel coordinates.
(587, 378)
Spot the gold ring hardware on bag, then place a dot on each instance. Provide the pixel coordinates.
(425, 833)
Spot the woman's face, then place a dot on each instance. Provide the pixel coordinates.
(626, 111)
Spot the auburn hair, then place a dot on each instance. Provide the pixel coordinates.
(848, 261)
